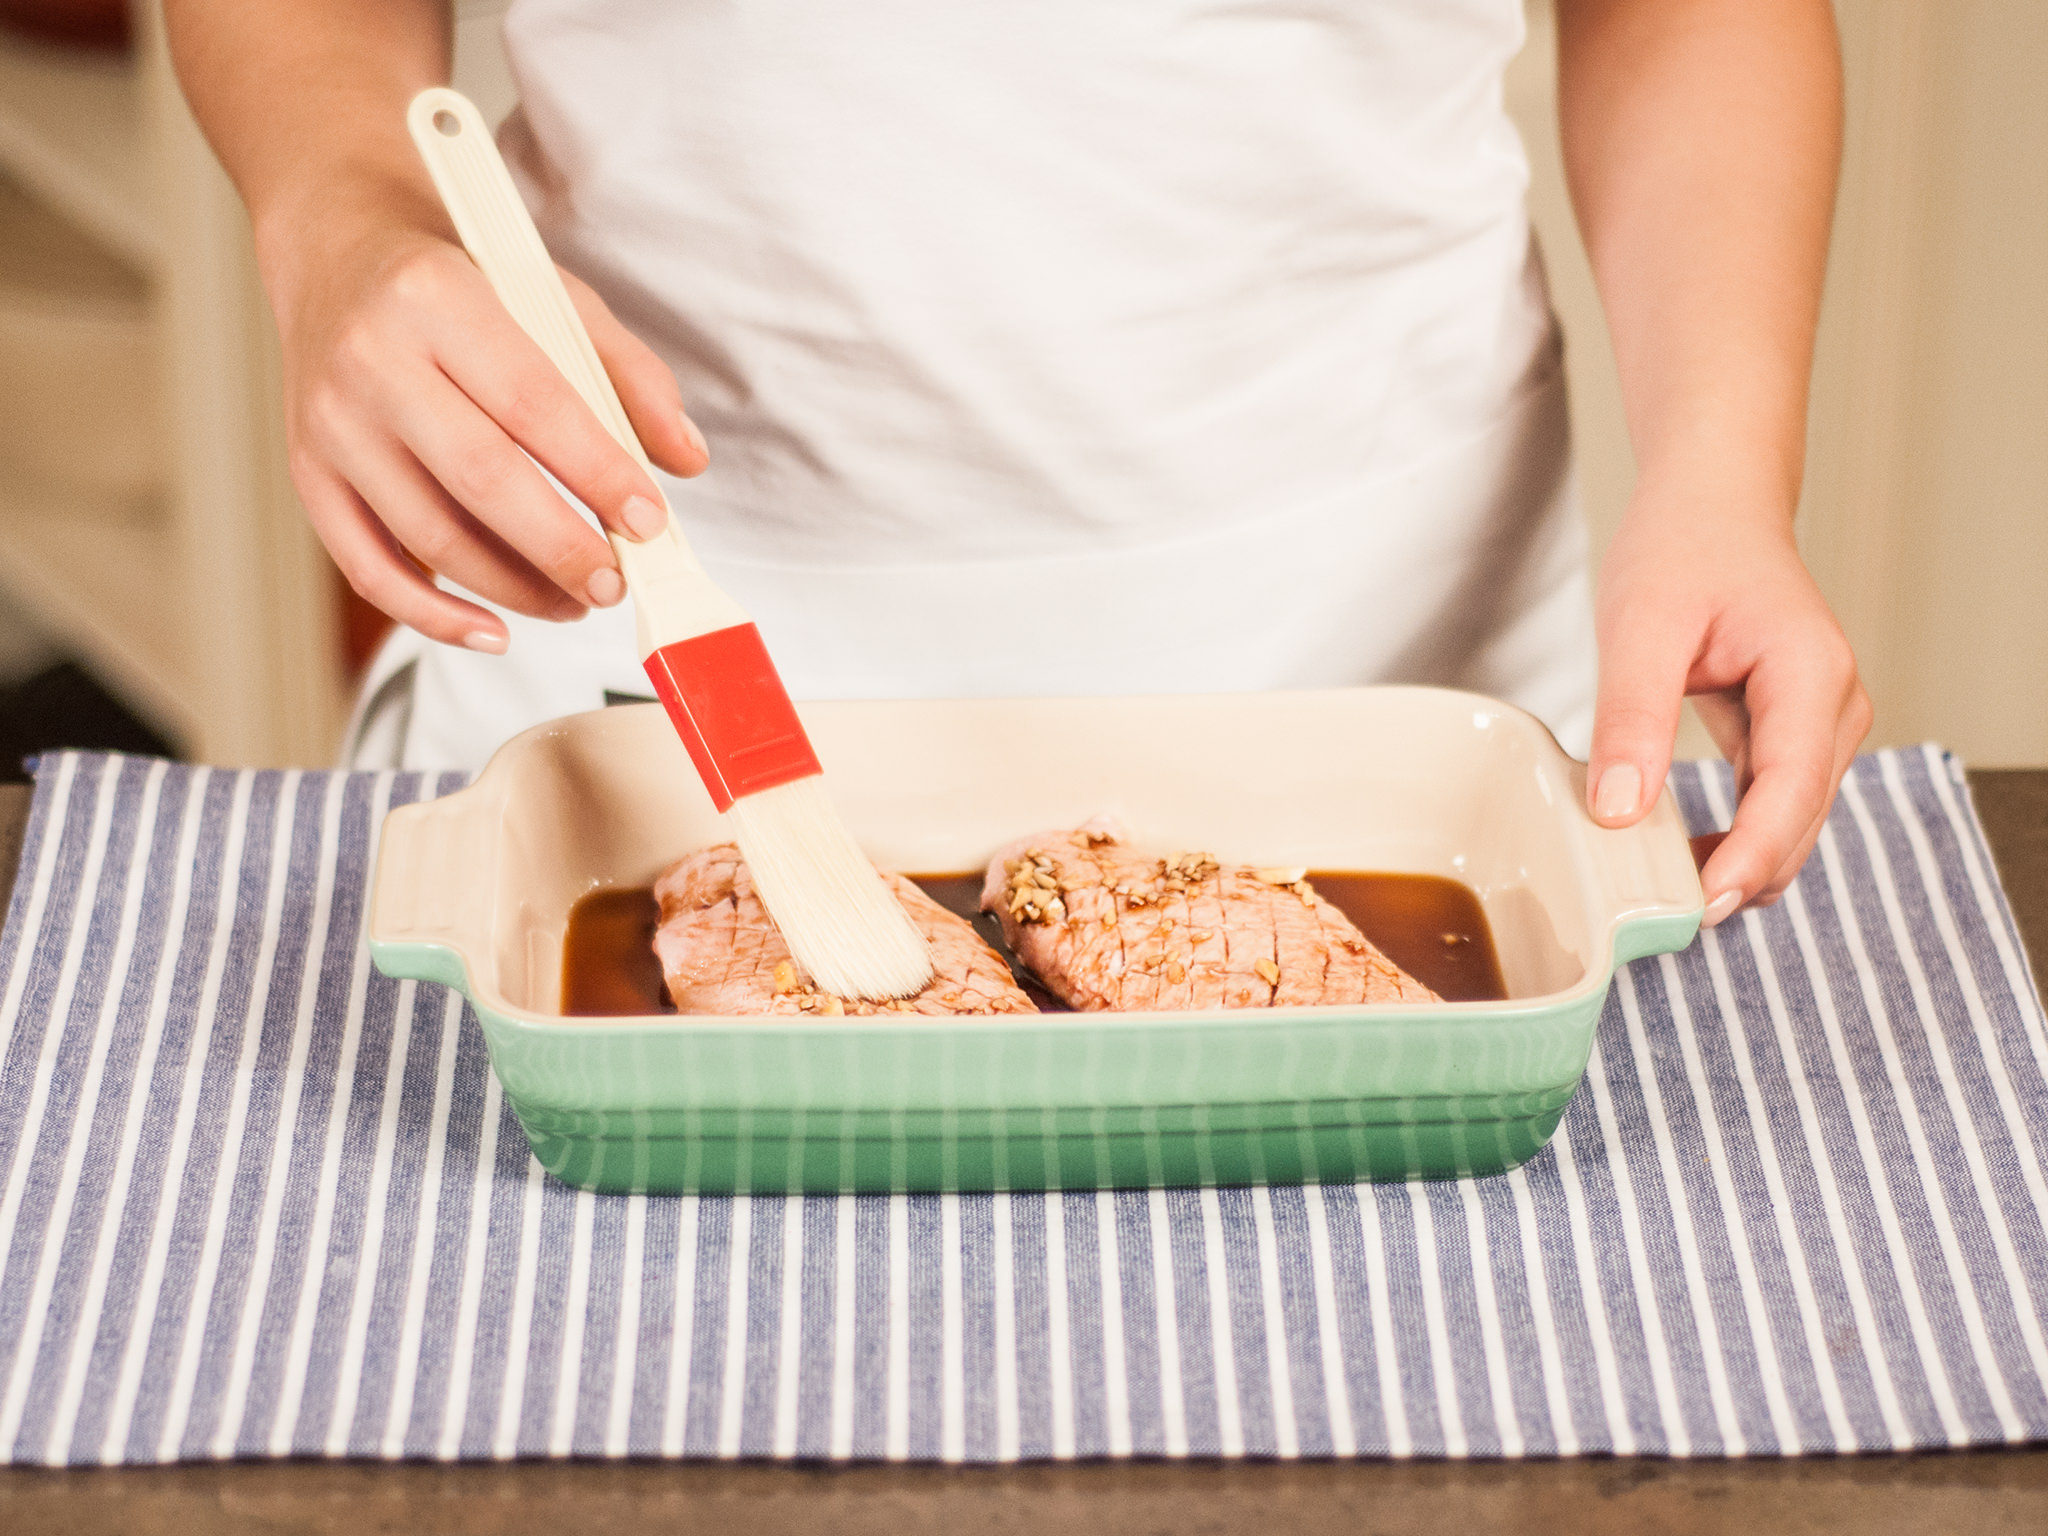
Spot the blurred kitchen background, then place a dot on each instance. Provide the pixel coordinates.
(160, 591)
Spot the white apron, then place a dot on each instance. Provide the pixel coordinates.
(1157, 346)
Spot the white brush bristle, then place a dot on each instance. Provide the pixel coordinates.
(840, 920)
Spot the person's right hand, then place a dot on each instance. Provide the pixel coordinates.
(412, 403)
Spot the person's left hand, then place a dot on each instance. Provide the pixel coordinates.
(1708, 601)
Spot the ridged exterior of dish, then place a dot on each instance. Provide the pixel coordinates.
(1069, 1101)
(1178, 1102)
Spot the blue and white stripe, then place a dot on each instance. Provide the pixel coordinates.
(257, 1199)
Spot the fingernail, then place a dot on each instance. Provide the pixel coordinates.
(1720, 909)
(486, 640)
(606, 586)
(1621, 786)
(644, 518)
(696, 438)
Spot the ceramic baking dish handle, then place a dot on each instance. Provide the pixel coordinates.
(430, 905)
(1649, 886)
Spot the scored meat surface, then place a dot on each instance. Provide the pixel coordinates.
(1106, 928)
(720, 952)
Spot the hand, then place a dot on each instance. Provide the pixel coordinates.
(1696, 601)
(412, 402)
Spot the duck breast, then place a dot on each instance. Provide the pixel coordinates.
(1104, 927)
(721, 953)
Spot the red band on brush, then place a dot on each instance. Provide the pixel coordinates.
(733, 713)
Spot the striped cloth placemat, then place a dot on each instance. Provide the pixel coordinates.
(258, 1200)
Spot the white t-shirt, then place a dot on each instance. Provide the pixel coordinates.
(1067, 347)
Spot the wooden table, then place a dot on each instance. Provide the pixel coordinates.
(1984, 1493)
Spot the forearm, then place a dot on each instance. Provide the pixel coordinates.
(1701, 140)
(304, 102)
(419, 417)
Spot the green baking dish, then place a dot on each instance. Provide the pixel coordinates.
(474, 890)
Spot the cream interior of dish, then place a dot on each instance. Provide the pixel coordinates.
(1480, 796)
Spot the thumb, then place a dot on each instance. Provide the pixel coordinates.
(1643, 671)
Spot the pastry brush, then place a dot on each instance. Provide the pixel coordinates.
(701, 650)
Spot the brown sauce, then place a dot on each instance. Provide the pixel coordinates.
(1433, 928)
(608, 964)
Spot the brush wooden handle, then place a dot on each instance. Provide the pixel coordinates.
(673, 598)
